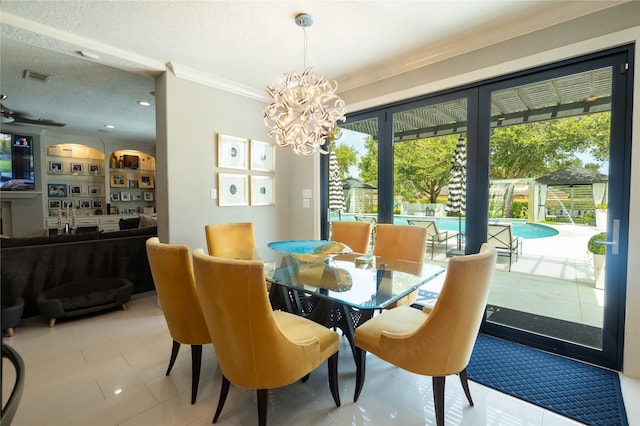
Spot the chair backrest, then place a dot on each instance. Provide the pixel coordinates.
(11, 406)
(172, 273)
(499, 235)
(446, 339)
(232, 240)
(429, 225)
(356, 235)
(402, 242)
(251, 349)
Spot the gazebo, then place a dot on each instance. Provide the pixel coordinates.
(568, 182)
(359, 195)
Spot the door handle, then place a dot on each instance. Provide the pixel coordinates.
(616, 238)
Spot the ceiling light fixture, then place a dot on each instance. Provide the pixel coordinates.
(305, 108)
(144, 103)
(109, 126)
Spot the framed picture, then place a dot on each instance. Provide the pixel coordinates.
(131, 210)
(84, 204)
(263, 156)
(146, 181)
(148, 196)
(262, 190)
(115, 196)
(67, 204)
(113, 209)
(125, 196)
(94, 169)
(57, 190)
(130, 161)
(75, 190)
(55, 204)
(55, 166)
(94, 190)
(136, 197)
(232, 152)
(118, 180)
(233, 189)
(96, 204)
(77, 168)
(133, 183)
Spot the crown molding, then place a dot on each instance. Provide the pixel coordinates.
(210, 80)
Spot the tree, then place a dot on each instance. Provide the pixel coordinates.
(535, 149)
(368, 164)
(347, 157)
(425, 163)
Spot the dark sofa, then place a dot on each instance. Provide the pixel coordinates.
(30, 266)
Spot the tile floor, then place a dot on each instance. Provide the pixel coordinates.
(108, 369)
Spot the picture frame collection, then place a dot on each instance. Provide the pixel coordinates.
(241, 189)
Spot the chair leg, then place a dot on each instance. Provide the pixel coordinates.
(224, 390)
(465, 385)
(174, 354)
(333, 378)
(361, 358)
(263, 399)
(438, 399)
(196, 361)
(305, 378)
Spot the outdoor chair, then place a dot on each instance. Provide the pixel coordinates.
(434, 235)
(257, 347)
(500, 235)
(172, 273)
(438, 343)
(356, 235)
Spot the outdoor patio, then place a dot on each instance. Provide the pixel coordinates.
(552, 277)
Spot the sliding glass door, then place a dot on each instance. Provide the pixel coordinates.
(537, 164)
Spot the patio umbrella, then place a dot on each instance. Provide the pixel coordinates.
(457, 199)
(336, 195)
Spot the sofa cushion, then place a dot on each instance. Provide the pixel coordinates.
(53, 239)
(130, 223)
(151, 231)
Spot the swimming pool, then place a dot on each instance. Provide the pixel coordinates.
(522, 229)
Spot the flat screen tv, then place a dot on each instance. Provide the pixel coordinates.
(16, 162)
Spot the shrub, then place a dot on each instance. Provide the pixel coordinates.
(597, 248)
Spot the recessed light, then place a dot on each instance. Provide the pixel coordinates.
(109, 126)
(144, 103)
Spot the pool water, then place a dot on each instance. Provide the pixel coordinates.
(522, 229)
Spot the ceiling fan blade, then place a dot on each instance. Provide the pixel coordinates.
(38, 121)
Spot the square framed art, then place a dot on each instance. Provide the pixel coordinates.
(263, 190)
(232, 152)
(263, 156)
(233, 189)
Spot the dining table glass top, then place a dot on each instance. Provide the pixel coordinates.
(333, 272)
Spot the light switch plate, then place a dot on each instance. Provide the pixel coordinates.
(306, 193)
(214, 193)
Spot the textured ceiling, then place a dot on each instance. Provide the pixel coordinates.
(246, 43)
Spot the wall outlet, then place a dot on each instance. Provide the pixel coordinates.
(214, 194)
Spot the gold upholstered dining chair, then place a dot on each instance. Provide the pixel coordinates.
(436, 343)
(231, 240)
(402, 242)
(172, 273)
(257, 347)
(356, 235)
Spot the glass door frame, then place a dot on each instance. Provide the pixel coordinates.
(478, 133)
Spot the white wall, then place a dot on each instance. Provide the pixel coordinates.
(610, 28)
(189, 117)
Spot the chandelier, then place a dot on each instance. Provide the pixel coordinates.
(305, 108)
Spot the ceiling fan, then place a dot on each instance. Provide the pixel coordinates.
(14, 117)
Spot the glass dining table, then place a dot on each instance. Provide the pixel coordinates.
(327, 283)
